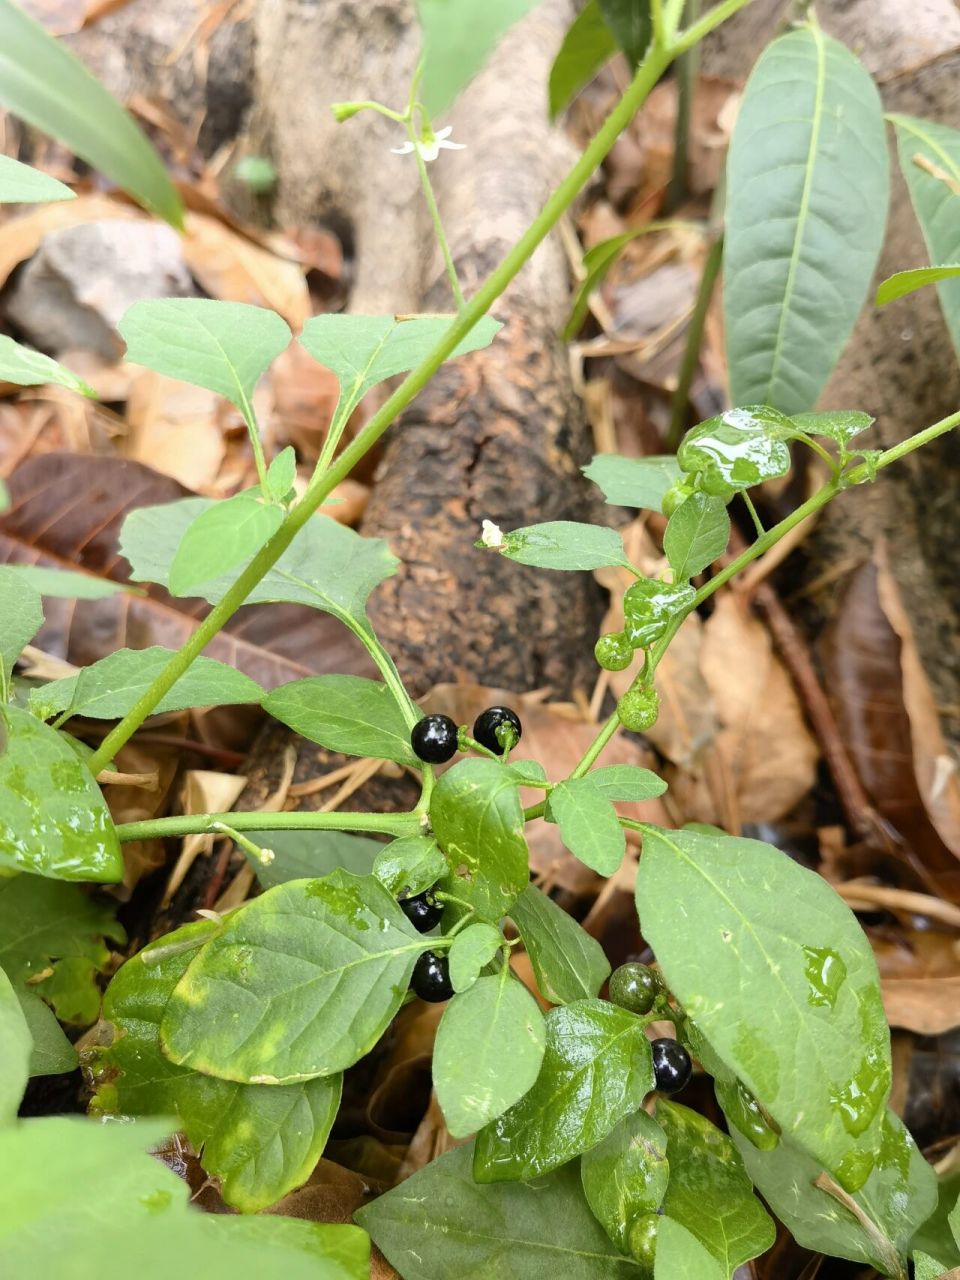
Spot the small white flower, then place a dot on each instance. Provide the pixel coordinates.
(491, 535)
(266, 857)
(431, 145)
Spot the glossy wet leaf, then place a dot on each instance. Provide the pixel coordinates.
(409, 866)
(904, 282)
(633, 482)
(488, 1052)
(328, 566)
(627, 782)
(477, 819)
(470, 952)
(697, 534)
(680, 1254)
(16, 1046)
(807, 193)
(225, 347)
(300, 983)
(303, 855)
(596, 1069)
(223, 537)
(522, 1230)
(789, 1000)
(63, 583)
(898, 1196)
(21, 184)
(28, 368)
(457, 40)
(54, 820)
(567, 962)
(52, 1053)
(109, 688)
(649, 607)
(21, 617)
(53, 937)
(737, 449)
(840, 425)
(588, 824)
(935, 200)
(565, 544)
(45, 84)
(80, 1191)
(626, 1175)
(365, 350)
(350, 714)
(631, 24)
(588, 44)
(260, 1140)
(709, 1191)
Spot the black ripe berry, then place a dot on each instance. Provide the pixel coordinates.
(488, 722)
(424, 912)
(434, 739)
(431, 978)
(672, 1067)
(635, 987)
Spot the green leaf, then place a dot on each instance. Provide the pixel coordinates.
(588, 823)
(709, 1192)
(282, 472)
(904, 282)
(840, 425)
(737, 449)
(45, 84)
(350, 714)
(28, 368)
(300, 983)
(54, 820)
(633, 482)
(469, 952)
(631, 24)
(409, 866)
(21, 184)
(679, 1253)
(927, 1268)
(303, 855)
(488, 1052)
(328, 566)
(520, 1230)
(565, 544)
(953, 1219)
(935, 200)
(109, 688)
(225, 347)
(53, 935)
(221, 538)
(457, 40)
(935, 1235)
(365, 350)
(898, 1196)
(807, 193)
(15, 1049)
(21, 617)
(597, 1068)
(477, 819)
(83, 1194)
(697, 534)
(261, 1140)
(598, 260)
(52, 1053)
(818, 1059)
(626, 1175)
(61, 582)
(588, 44)
(627, 782)
(568, 963)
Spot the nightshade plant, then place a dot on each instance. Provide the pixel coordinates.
(237, 1029)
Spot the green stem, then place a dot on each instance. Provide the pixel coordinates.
(680, 403)
(819, 450)
(253, 431)
(441, 235)
(391, 824)
(658, 23)
(242, 841)
(385, 665)
(754, 516)
(687, 71)
(703, 26)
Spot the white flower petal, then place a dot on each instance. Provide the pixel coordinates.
(444, 133)
(452, 146)
(430, 150)
(491, 534)
(405, 150)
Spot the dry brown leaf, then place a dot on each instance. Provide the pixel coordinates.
(174, 430)
(230, 266)
(20, 237)
(305, 395)
(131, 803)
(926, 1006)
(204, 791)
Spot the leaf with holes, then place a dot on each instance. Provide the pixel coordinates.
(626, 1175)
(807, 194)
(697, 534)
(588, 824)
(565, 544)
(345, 713)
(568, 963)
(633, 482)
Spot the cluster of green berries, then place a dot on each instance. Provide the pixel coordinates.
(435, 738)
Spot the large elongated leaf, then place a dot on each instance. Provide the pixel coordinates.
(568, 963)
(933, 190)
(260, 1140)
(53, 818)
(300, 983)
(597, 1068)
(565, 544)
(15, 1048)
(807, 192)
(789, 1000)
(457, 40)
(21, 184)
(478, 822)
(441, 1222)
(904, 282)
(345, 713)
(42, 81)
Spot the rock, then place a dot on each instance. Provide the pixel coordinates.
(73, 292)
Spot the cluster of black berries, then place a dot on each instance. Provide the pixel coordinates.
(636, 987)
(434, 738)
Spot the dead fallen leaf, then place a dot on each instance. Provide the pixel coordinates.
(926, 1006)
(230, 266)
(173, 429)
(132, 803)
(305, 395)
(204, 791)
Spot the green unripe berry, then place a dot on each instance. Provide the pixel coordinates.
(635, 987)
(638, 709)
(675, 497)
(642, 1239)
(613, 652)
